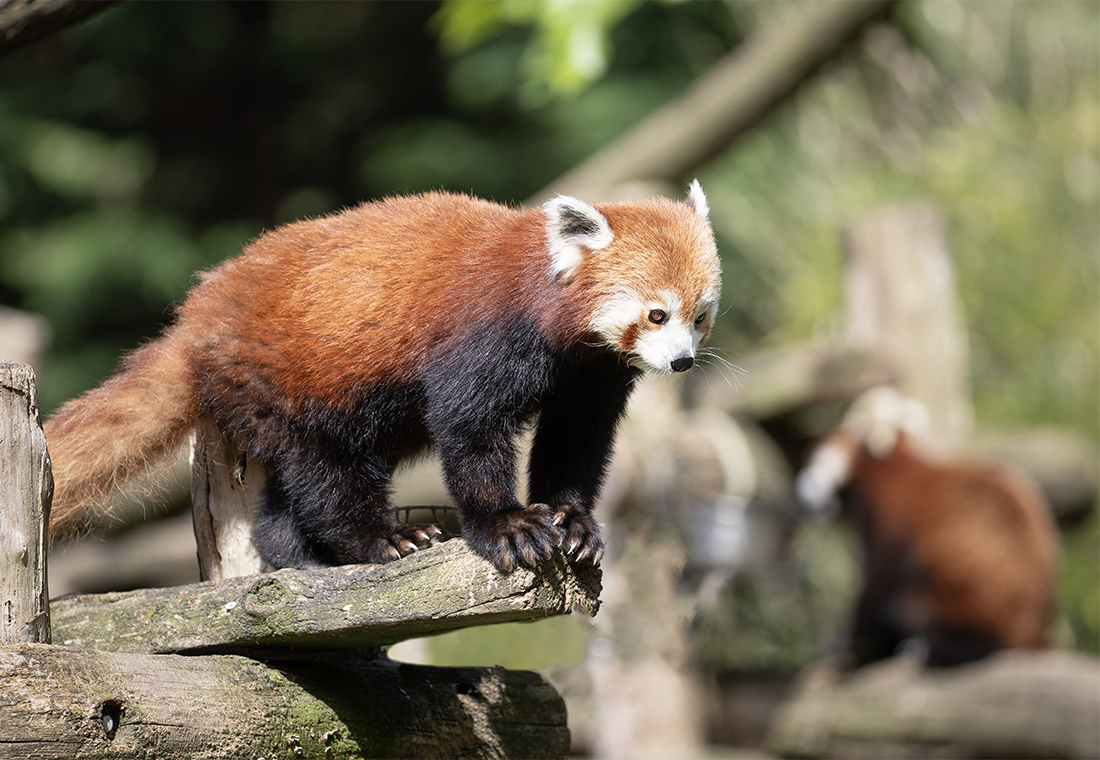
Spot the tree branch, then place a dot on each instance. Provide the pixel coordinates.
(25, 21)
(728, 100)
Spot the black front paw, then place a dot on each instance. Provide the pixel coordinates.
(512, 538)
(390, 545)
(580, 534)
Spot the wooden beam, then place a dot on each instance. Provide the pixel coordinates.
(60, 702)
(438, 589)
(26, 488)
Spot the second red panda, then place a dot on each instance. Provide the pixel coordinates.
(960, 558)
(339, 348)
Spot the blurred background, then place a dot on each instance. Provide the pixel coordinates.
(153, 140)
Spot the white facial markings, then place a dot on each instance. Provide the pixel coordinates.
(616, 314)
(666, 340)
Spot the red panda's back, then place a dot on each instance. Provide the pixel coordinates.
(365, 293)
(981, 540)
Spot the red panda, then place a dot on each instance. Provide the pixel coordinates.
(338, 348)
(959, 557)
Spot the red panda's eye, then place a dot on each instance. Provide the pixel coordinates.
(700, 319)
(658, 317)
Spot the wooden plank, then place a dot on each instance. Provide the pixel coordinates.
(438, 589)
(59, 702)
(26, 487)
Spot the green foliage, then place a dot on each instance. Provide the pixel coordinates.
(994, 115)
(570, 47)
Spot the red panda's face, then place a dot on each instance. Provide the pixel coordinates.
(651, 270)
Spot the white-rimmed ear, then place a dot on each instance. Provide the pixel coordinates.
(697, 200)
(572, 225)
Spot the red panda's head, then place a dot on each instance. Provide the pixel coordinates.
(649, 271)
(874, 423)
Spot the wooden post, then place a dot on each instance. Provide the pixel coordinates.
(26, 489)
(903, 304)
(226, 487)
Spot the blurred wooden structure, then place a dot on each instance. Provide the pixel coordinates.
(1015, 704)
(117, 685)
(903, 306)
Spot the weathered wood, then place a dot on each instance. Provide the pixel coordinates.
(903, 304)
(25, 21)
(437, 589)
(725, 102)
(59, 702)
(26, 487)
(1015, 704)
(226, 488)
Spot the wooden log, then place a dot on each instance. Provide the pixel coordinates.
(1012, 705)
(226, 488)
(903, 304)
(59, 702)
(26, 487)
(438, 589)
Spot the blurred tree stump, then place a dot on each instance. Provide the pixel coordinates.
(1016, 704)
(903, 304)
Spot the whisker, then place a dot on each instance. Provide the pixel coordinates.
(712, 357)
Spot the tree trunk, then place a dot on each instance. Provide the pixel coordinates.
(58, 702)
(903, 304)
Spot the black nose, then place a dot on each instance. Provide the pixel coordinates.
(683, 364)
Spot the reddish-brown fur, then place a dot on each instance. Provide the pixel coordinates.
(951, 547)
(309, 313)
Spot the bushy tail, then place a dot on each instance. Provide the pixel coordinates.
(114, 432)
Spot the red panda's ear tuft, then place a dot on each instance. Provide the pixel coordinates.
(571, 225)
(697, 201)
